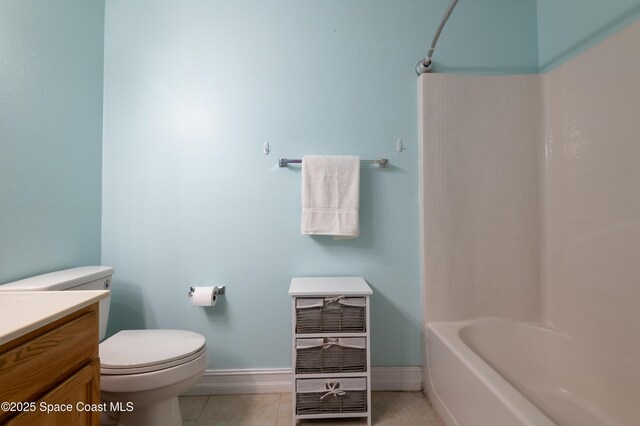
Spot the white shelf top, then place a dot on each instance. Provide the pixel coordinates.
(329, 286)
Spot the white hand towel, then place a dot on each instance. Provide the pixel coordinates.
(330, 195)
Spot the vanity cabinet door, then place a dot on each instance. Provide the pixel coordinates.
(35, 363)
(55, 364)
(63, 401)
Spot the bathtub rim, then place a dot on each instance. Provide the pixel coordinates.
(447, 332)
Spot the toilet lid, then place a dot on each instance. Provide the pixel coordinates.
(133, 349)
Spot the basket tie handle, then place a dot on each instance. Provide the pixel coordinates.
(330, 342)
(332, 386)
(333, 299)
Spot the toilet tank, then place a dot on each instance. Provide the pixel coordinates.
(81, 278)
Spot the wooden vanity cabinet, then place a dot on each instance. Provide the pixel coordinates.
(55, 364)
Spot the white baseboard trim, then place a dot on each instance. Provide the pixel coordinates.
(396, 378)
(278, 380)
(227, 382)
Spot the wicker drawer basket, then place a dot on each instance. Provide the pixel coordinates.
(331, 314)
(320, 396)
(331, 355)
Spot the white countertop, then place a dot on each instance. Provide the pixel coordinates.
(329, 286)
(24, 311)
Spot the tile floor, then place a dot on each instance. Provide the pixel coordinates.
(389, 409)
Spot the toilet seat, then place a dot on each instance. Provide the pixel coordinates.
(143, 351)
(160, 382)
(151, 368)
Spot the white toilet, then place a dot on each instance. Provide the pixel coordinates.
(143, 369)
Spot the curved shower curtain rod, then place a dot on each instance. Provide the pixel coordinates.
(425, 65)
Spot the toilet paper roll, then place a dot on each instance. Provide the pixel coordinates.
(204, 296)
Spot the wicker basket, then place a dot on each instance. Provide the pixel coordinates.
(331, 314)
(321, 396)
(331, 355)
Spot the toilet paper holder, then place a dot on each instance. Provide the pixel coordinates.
(217, 290)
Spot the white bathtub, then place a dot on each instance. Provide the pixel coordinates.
(499, 372)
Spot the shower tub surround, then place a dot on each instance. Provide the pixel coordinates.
(480, 195)
(501, 372)
(551, 161)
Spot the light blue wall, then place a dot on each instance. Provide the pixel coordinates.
(569, 27)
(483, 36)
(50, 134)
(193, 89)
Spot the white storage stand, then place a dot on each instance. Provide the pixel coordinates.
(331, 349)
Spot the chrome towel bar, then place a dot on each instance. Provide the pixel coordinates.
(382, 162)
